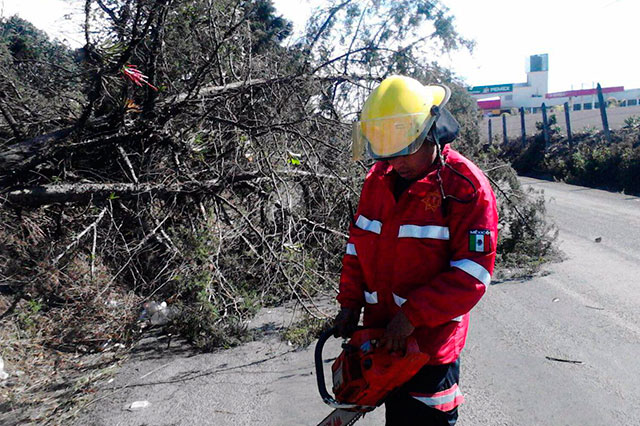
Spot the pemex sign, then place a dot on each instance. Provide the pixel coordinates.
(495, 88)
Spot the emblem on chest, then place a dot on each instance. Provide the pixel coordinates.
(432, 201)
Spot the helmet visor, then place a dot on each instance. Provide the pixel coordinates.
(390, 136)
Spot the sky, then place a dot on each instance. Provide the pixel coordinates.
(588, 41)
(58, 18)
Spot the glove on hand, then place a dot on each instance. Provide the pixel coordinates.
(396, 333)
(346, 322)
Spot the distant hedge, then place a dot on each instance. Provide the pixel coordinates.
(592, 161)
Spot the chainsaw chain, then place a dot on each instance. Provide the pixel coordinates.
(355, 419)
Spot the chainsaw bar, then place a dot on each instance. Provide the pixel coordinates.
(341, 418)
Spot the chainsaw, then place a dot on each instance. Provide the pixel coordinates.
(364, 374)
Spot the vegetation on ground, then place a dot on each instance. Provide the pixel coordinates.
(589, 160)
(305, 331)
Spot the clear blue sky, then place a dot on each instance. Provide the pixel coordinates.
(588, 41)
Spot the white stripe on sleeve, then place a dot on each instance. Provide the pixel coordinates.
(366, 224)
(474, 269)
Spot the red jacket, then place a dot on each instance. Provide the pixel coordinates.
(433, 262)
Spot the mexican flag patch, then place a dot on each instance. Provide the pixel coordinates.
(480, 240)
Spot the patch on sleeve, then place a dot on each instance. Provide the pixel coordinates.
(480, 240)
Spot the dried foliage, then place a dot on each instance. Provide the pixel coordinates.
(230, 186)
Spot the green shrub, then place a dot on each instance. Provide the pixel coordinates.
(526, 239)
(593, 162)
(305, 331)
(632, 122)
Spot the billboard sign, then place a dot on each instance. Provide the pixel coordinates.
(583, 92)
(495, 88)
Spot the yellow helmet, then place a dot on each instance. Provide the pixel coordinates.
(397, 116)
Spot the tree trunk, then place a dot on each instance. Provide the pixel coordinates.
(82, 192)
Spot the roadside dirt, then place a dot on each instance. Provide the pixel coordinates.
(266, 381)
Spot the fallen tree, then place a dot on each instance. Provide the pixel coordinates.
(196, 158)
(227, 133)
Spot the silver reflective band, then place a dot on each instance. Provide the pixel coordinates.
(399, 300)
(351, 249)
(474, 269)
(371, 297)
(435, 401)
(369, 225)
(458, 319)
(429, 231)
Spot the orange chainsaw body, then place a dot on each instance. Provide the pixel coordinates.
(365, 373)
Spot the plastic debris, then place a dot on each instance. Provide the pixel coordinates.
(157, 313)
(3, 374)
(139, 405)
(555, 300)
(105, 345)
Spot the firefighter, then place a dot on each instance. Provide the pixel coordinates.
(421, 247)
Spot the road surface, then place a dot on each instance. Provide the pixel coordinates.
(559, 349)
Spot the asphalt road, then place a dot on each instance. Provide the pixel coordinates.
(585, 309)
(559, 349)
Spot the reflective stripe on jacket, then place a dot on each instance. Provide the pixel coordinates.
(408, 254)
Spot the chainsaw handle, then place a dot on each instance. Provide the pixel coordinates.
(322, 388)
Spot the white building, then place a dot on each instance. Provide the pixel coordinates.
(499, 98)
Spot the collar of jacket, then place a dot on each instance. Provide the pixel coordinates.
(422, 186)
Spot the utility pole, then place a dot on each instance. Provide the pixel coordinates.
(504, 129)
(545, 126)
(567, 119)
(522, 126)
(603, 114)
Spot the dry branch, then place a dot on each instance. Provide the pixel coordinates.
(79, 237)
(125, 157)
(26, 153)
(15, 127)
(83, 192)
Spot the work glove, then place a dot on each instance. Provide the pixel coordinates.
(346, 322)
(395, 335)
